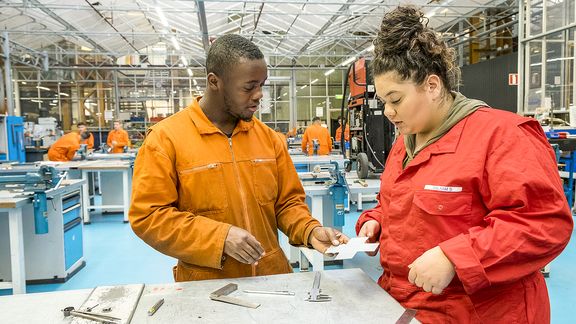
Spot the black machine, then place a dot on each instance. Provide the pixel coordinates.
(371, 133)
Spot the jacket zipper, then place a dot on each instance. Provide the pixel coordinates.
(263, 160)
(243, 197)
(200, 168)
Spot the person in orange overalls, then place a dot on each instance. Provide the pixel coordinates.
(338, 135)
(471, 205)
(66, 146)
(118, 138)
(213, 185)
(316, 132)
(81, 129)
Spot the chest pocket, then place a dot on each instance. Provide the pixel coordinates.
(443, 203)
(202, 189)
(265, 175)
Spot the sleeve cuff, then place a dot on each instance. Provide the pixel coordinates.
(467, 265)
(363, 219)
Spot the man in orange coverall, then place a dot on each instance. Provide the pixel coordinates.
(81, 129)
(66, 146)
(212, 185)
(118, 138)
(316, 132)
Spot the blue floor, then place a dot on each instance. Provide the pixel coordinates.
(114, 255)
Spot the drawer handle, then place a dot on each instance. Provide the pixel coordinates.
(71, 208)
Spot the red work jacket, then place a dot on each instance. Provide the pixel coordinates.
(489, 194)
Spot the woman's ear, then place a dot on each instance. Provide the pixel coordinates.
(434, 86)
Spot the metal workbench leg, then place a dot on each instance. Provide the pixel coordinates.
(359, 204)
(17, 251)
(126, 193)
(85, 198)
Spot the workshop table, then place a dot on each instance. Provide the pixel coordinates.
(109, 192)
(355, 299)
(13, 208)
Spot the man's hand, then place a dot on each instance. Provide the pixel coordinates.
(243, 246)
(432, 271)
(322, 238)
(114, 143)
(371, 230)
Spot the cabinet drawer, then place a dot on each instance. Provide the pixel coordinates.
(71, 213)
(73, 244)
(70, 200)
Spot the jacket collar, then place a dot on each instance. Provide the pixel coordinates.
(447, 144)
(205, 126)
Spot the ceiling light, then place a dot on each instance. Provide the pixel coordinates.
(162, 17)
(314, 81)
(23, 82)
(304, 86)
(52, 104)
(43, 88)
(195, 82)
(55, 100)
(35, 100)
(190, 73)
(348, 61)
(329, 72)
(198, 88)
(278, 97)
(284, 94)
(64, 94)
(184, 60)
(84, 48)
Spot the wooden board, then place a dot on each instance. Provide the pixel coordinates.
(122, 299)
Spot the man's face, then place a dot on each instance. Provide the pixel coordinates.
(116, 125)
(242, 88)
(82, 128)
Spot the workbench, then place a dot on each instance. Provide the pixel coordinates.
(116, 190)
(47, 252)
(12, 207)
(355, 299)
(354, 188)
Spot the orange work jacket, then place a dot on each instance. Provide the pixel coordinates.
(192, 183)
(338, 135)
(121, 138)
(64, 148)
(322, 135)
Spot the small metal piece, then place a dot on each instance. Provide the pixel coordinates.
(221, 295)
(69, 311)
(277, 292)
(156, 306)
(407, 316)
(89, 309)
(315, 293)
(107, 309)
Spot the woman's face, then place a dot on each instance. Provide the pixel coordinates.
(408, 106)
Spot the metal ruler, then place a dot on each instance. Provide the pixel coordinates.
(221, 295)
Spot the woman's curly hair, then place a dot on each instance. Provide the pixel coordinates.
(407, 46)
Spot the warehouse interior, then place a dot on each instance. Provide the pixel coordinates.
(70, 232)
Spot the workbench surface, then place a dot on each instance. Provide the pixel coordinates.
(355, 299)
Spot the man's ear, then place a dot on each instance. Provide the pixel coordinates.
(214, 82)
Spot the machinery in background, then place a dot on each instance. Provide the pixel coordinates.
(54, 236)
(12, 139)
(371, 134)
(326, 172)
(35, 182)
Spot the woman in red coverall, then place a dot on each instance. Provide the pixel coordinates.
(471, 206)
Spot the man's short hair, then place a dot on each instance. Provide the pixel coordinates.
(227, 50)
(315, 119)
(81, 124)
(85, 135)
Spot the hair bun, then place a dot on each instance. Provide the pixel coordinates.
(399, 31)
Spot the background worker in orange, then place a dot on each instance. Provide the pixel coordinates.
(118, 138)
(319, 133)
(213, 185)
(338, 135)
(81, 129)
(66, 146)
